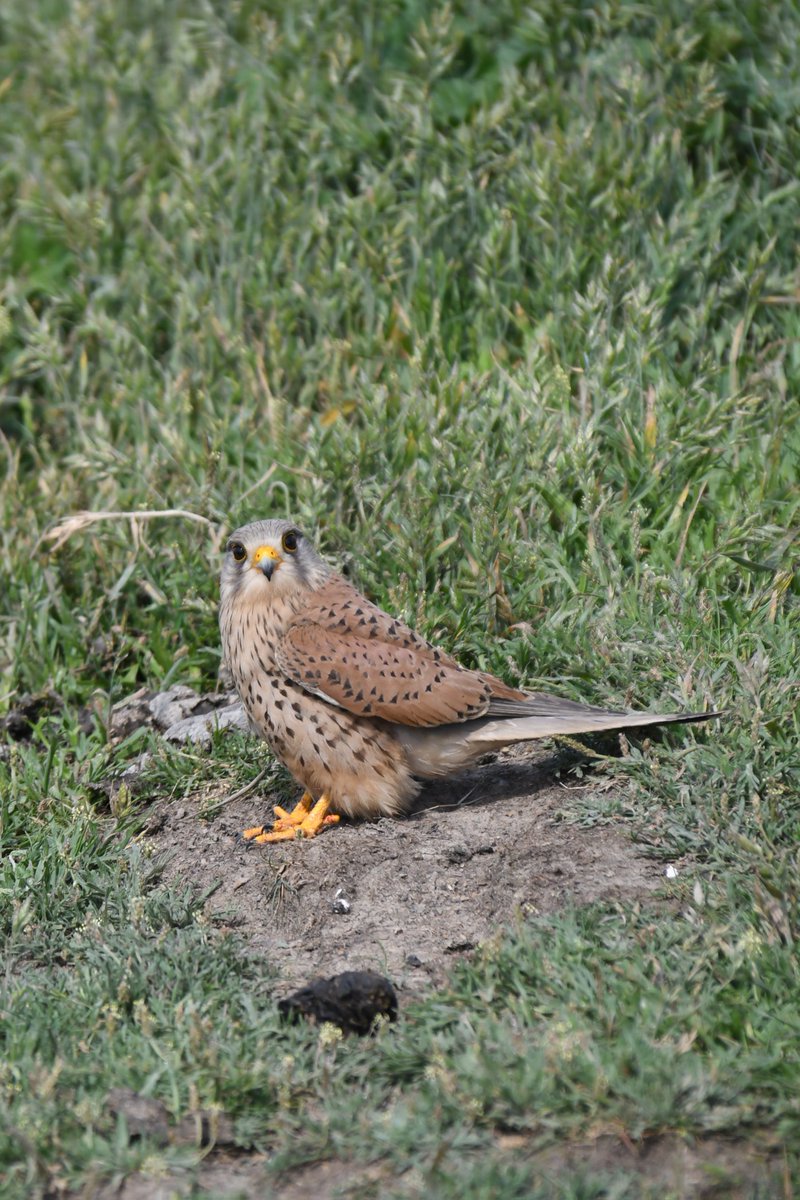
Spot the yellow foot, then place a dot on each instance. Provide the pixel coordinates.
(283, 818)
(302, 821)
(286, 820)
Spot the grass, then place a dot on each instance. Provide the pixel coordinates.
(502, 302)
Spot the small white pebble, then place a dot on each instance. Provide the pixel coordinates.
(671, 872)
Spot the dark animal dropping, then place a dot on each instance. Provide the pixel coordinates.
(353, 1000)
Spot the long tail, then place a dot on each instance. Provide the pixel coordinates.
(541, 715)
(444, 748)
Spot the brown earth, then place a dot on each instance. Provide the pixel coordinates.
(476, 853)
(406, 897)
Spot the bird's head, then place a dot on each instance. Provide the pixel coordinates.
(268, 560)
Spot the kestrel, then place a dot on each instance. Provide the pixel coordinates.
(355, 704)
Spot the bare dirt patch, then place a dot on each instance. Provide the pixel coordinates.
(405, 896)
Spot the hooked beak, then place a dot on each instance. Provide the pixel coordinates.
(266, 560)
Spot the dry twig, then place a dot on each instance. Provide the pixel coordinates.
(63, 531)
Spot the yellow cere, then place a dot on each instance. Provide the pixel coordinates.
(265, 552)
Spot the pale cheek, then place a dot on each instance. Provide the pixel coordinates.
(284, 583)
(229, 587)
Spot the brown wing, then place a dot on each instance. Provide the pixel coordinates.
(348, 651)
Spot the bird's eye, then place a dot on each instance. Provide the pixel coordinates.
(289, 541)
(238, 551)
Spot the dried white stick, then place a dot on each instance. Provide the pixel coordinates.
(62, 532)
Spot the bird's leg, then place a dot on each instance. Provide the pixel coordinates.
(319, 817)
(302, 821)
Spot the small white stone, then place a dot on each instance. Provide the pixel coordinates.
(671, 872)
